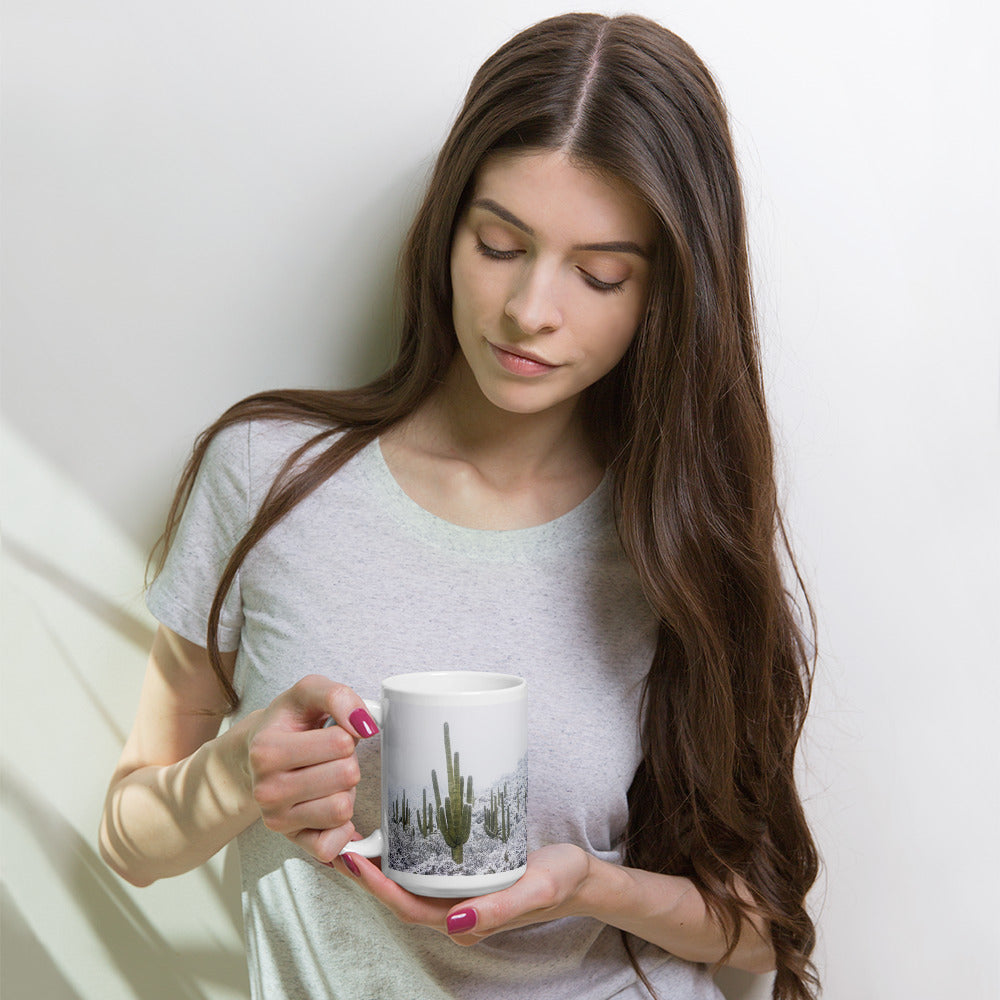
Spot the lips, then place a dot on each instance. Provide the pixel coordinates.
(521, 362)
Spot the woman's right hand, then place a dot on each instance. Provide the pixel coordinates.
(303, 772)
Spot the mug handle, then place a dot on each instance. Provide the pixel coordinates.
(373, 845)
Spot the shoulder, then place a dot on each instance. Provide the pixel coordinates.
(249, 454)
(270, 442)
(255, 442)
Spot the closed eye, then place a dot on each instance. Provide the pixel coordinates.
(601, 286)
(493, 252)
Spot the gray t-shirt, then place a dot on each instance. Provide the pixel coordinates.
(359, 582)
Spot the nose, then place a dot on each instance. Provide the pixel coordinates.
(533, 303)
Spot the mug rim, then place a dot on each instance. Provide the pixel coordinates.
(472, 685)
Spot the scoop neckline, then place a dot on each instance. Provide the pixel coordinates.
(579, 526)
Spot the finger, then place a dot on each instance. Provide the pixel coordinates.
(326, 813)
(280, 790)
(314, 698)
(324, 845)
(274, 750)
(525, 902)
(461, 924)
(346, 864)
(467, 940)
(407, 906)
(341, 866)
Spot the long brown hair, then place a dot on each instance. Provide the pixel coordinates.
(684, 429)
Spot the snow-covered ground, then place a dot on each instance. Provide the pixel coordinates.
(410, 851)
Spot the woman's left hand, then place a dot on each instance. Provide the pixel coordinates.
(549, 889)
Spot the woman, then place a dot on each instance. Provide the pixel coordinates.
(567, 473)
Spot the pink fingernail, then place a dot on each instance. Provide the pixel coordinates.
(463, 920)
(363, 723)
(352, 865)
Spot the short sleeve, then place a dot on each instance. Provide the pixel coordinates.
(215, 518)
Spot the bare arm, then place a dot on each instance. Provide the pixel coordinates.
(562, 880)
(182, 791)
(669, 911)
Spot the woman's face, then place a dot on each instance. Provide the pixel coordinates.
(550, 272)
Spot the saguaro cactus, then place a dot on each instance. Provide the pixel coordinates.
(496, 817)
(455, 816)
(401, 812)
(425, 818)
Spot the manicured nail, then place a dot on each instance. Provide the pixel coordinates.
(352, 865)
(363, 723)
(463, 920)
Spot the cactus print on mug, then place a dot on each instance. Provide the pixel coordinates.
(459, 822)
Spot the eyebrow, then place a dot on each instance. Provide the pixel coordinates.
(612, 246)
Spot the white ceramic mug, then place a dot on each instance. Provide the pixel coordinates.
(454, 782)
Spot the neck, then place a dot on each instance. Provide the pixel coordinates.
(479, 466)
(460, 422)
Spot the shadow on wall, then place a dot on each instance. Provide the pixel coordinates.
(109, 614)
(19, 940)
(75, 639)
(151, 967)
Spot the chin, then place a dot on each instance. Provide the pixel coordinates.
(525, 403)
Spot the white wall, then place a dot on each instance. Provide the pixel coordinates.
(205, 199)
